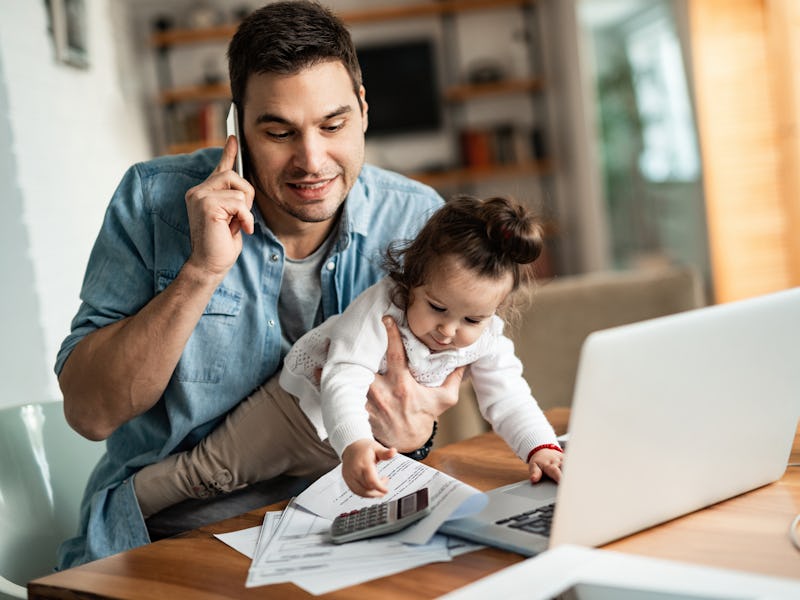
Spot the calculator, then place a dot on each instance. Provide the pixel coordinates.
(380, 519)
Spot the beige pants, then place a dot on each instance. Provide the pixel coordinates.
(266, 435)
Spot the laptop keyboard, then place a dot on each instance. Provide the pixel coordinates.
(538, 520)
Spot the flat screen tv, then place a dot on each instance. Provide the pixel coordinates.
(402, 89)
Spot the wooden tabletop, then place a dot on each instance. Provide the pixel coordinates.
(749, 532)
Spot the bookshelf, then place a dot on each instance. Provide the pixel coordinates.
(492, 164)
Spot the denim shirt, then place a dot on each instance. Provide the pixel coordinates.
(142, 245)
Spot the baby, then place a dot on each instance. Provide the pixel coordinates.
(445, 290)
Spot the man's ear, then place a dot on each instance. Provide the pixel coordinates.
(362, 94)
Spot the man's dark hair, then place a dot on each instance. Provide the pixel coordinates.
(285, 38)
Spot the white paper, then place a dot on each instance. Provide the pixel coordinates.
(300, 549)
(354, 573)
(246, 541)
(449, 498)
(345, 573)
(243, 541)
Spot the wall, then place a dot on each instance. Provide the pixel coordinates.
(22, 365)
(572, 129)
(783, 34)
(751, 230)
(66, 136)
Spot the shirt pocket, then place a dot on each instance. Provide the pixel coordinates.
(206, 353)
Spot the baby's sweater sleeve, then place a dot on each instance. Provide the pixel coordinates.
(506, 402)
(357, 346)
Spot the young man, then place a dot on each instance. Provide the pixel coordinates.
(200, 280)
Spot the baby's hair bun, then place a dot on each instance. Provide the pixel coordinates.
(513, 230)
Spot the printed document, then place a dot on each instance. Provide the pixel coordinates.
(450, 498)
(294, 545)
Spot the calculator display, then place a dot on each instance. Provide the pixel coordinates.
(411, 503)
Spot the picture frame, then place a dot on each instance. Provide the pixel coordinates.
(68, 27)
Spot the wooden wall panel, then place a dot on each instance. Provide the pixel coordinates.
(738, 127)
(783, 29)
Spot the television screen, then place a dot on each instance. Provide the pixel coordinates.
(402, 91)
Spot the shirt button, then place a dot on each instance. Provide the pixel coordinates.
(271, 323)
(330, 266)
(274, 258)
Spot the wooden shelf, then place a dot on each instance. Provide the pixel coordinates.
(468, 91)
(187, 147)
(426, 9)
(456, 93)
(176, 37)
(467, 175)
(196, 93)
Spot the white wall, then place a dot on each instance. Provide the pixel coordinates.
(583, 220)
(66, 137)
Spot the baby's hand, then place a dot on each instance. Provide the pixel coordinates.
(545, 461)
(358, 467)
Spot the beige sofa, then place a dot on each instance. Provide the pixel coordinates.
(561, 314)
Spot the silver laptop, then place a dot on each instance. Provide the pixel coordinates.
(669, 415)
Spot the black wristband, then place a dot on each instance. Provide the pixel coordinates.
(422, 453)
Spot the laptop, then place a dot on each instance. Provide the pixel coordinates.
(669, 416)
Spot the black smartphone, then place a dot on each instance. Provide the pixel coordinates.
(233, 128)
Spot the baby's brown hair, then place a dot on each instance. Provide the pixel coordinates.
(490, 237)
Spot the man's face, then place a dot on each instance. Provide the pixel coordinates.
(305, 138)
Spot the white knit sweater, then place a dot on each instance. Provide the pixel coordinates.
(350, 348)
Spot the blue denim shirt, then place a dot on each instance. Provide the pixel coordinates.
(141, 247)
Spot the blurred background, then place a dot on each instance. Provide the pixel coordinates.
(646, 132)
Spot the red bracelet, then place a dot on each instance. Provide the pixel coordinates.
(543, 447)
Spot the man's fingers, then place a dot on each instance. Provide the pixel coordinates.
(224, 177)
(236, 212)
(455, 378)
(228, 159)
(395, 352)
(451, 387)
(244, 218)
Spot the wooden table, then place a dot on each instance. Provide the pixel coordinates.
(749, 532)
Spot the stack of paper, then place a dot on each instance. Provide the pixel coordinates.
(293, 545)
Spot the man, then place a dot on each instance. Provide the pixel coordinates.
(200, 280)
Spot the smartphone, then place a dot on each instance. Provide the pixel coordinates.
(233, 128)
(380, 519)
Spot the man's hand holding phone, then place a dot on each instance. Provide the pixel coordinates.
(219, 210)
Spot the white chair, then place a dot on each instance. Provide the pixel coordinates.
(44, 466)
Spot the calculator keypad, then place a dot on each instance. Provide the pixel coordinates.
(370, 516)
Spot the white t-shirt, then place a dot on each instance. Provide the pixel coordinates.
(350, 348)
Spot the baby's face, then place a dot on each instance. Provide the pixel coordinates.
(454, 306)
